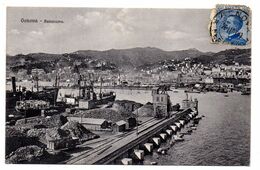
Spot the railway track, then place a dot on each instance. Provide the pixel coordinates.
(106, 143)
(112, 147)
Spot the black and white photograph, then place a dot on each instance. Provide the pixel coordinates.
(128, 86)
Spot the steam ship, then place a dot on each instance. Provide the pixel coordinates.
(86, 98)
(29, 103)
(31, 108)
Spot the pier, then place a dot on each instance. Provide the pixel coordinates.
(125, 145)
(129, 145)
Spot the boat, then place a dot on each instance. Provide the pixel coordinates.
(193, 127)
(28, 103)
(191, 91)
(162, 150)
(154, 163)
(180, 135)
(87, 98)
(31, 108)
(46, 94)
(187, 132)
(196, 120)
(246, 90)
(178, 138)
(172, 142)
(222, 90)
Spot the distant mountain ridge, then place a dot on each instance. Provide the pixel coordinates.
(123, 58)
(138, 56)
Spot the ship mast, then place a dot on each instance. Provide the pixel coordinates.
(56, 85)
(101, 83)
(79, 83)
(36, 78)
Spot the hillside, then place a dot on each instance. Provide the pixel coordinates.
(135, 57)
(121, 58)
(242, 56)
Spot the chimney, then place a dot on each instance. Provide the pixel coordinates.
(13, 85)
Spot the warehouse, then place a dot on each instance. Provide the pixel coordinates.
(91, 123)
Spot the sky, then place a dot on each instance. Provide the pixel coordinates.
(108, 28)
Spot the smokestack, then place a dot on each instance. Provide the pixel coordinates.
(13, 85)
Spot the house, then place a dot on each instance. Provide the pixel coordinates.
(55, 144)
(209, 80)
(70, 100)
(91, 123)
(230, 86)
(57, 138)
(207, 71)
(119, 126)
(216, 70)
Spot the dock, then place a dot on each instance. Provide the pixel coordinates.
(120, 146)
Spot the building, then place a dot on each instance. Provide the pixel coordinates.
(119, 126)
(131, 122)
(91, 123)
(161, 103)
(230, 86)
(38, 71)
(86, 104)
(216, 70)
(207, 72)
(209, 80)
(235, 81)
(70, 100)
(59, 139)
(55, 144)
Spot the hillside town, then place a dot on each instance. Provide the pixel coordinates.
(178, 74)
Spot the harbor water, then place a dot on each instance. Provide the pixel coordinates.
(222, 136)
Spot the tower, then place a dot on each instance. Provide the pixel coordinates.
(161, 103)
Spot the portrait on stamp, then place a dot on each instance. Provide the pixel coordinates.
(230, 24)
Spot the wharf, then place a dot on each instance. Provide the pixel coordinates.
(109, 150)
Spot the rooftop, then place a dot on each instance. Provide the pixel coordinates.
(83, 120)
(121, 122)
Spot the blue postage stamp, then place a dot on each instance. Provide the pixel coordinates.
(230, 24)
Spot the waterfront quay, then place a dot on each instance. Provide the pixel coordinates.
(93, 128)
(134, 144)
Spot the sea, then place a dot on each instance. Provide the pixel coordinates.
(222, 137)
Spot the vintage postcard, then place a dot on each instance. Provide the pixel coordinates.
(128, 86)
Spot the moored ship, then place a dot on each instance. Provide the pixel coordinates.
(246, 90)
(85, 96)
(31, 108)
(26, 103)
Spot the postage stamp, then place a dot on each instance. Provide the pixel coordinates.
(230, 24)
